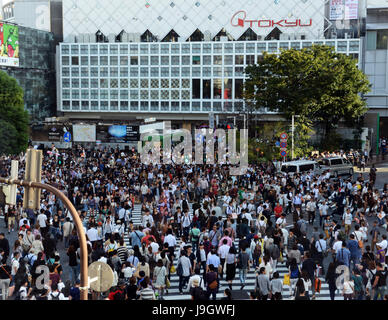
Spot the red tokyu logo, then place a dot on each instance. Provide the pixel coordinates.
(239, 19)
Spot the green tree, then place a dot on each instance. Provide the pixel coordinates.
(317, 83)
(14, 119)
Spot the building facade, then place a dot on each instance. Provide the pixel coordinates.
(35, 71)
(182, 60)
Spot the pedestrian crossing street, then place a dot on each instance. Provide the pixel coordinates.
(173, 291)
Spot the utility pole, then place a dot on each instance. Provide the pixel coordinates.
(34, 159)
(292, 133)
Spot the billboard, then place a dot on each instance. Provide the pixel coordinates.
(9, 45)
(118, 133)
(84, 133)
(343, 9)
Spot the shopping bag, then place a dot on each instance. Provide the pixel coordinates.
(286, 280)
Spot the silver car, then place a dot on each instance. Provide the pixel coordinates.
(336, 166)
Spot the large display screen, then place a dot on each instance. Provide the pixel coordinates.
(84, 133)
(118, 133)
(9, 45)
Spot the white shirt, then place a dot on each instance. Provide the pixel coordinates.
(170, 239)
(223, 251)
(55, 294)
(337, 246)
(382, 244)
(92, 234)
(347, 218)
(42, 218)
(348, 285)
(155, 247)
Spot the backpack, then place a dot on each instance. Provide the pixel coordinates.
(257, 250)
(179, 269)
(54, 297)
(198, 294)
(295, 273)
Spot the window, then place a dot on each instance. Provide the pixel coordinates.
(114, 61)
(94, 105)
(134, 72)
(228, 60)
(217, 71)
(196, 88)
(165, 83)
(94, 94)
(104, 60)
(124, 83)
(65, 72)
(74, 72)
(103, 72)
(144, 60)
(104, 105)
(371, 40)
(382, 39)
(154, 104)
(165, 106)
(114, 72)
(154, 49)
(134, 105)
(238, 88)
(154, 72)
(144, 83)
(175, 60)
(165, 61)
(124, 61)
(196, 60)
(217, 88)
(85, 83)
(65, 60)
(114, 94)
(335, 162)
(123, 49)
(165, 72)
(185, 60)
(75, 83)
(94, 72)
(250, 59)
(134, 83)
(123, 105)
(155, 60)
(306, 167)
(217, 59)
(185, 83)
(103, 94)
(239, 71)
(196, 72)
(155, 83)
(239, 59)
(114, 83)
(206, 89)
(84, 61)
(134, 94)
(103, 83)
(94, 61)
(123, 72)
(144, 72)
(175, 72)
(94, 83)
(134, 61)
(207, 60)
(114, 49)
(85, 72)
(288, 169)
(175, 83)
(228, 71)
(227, 89)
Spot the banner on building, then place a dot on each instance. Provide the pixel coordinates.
(9, 45)
(84, 133)
(343, 9)
(336, 9)
(351, 9)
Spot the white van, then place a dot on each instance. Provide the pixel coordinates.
(300, 166)
(337, 166)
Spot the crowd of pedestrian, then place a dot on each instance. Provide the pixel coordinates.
(199, 223)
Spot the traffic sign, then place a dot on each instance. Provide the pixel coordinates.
(284, 135)
(277, 143)
(283, 149)
(283, 144)
(67, 136)
(283, 153)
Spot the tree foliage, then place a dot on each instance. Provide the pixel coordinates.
(317, 83)
(14, 118)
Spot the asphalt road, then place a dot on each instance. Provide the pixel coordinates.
(381, 178)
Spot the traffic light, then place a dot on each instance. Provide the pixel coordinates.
(60, 160)
(33, 173)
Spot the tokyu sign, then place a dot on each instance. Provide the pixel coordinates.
(239, 19)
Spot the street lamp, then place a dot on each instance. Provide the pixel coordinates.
(292, 134)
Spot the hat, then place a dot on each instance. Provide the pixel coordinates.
(118, 222)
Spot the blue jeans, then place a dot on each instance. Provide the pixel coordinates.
(74, 273)
(379, 291)
(243, 275)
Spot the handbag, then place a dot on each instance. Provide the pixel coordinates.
(224, 269)
(360, 243)
(286, 280)
(172, 269)
(168, 283)
(213, 285)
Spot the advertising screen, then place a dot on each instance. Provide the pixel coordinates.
(118, 133)
(9, 45)
(84, 133)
